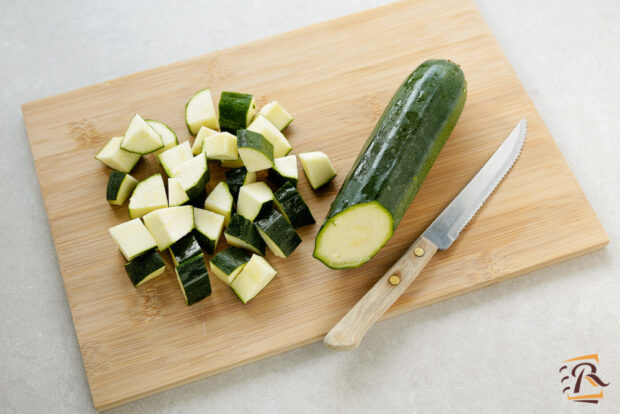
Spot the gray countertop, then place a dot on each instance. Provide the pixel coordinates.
(494, 350)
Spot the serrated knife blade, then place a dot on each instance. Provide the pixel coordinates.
(448, 225)
(440, 235)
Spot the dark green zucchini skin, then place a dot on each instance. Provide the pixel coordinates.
(235, 179)
(114, 184)
(233, 108)
(194, 279)
(144, 265)
(293, 206)
(406, 140)
(245, 230)
(230, 259)
(280, 231)
(185, 248)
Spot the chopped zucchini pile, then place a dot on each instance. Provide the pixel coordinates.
(186, 220)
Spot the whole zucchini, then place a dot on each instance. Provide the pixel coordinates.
(391, 167)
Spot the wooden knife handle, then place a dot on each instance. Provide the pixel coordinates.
(350, 330)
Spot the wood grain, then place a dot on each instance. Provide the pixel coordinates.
(335, 77)
(349, 331)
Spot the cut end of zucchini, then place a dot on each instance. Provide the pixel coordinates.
(318, 168)
(199, 112)
(140, 138)
(276, 114)
(111, 155)
(353, 236)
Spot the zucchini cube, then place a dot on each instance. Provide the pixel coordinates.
(208, 229)
(228, 263)
(255, 200)
(253, 278)
(193, 279)
(243, 233)
(132, 238)
(145, 267)
(111, 155)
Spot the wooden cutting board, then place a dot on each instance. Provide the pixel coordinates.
(335, 77)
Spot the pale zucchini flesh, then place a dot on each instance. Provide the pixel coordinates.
(253, 278)
(149, 195)
(168, 136)
(354, 236)
(318, 168)
(208, 229)
(176, 194)
(284, 170)
(276, 114)
(231, 164)
(168, 225)
(199, 112)
(140, 137)
(174, 157)
(203, 133)
(111, 155)
(193, 176)
(255, 151)
(281, 146)
(220, 201)
(132, 238)
(254, 200)
(221, 146)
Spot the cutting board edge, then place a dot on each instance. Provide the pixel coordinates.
(603, 242)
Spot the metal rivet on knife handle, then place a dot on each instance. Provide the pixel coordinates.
(418, 251)
(394, 280)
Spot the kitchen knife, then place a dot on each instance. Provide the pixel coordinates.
(440, 235)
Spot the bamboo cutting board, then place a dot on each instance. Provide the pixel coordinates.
(335, 77)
